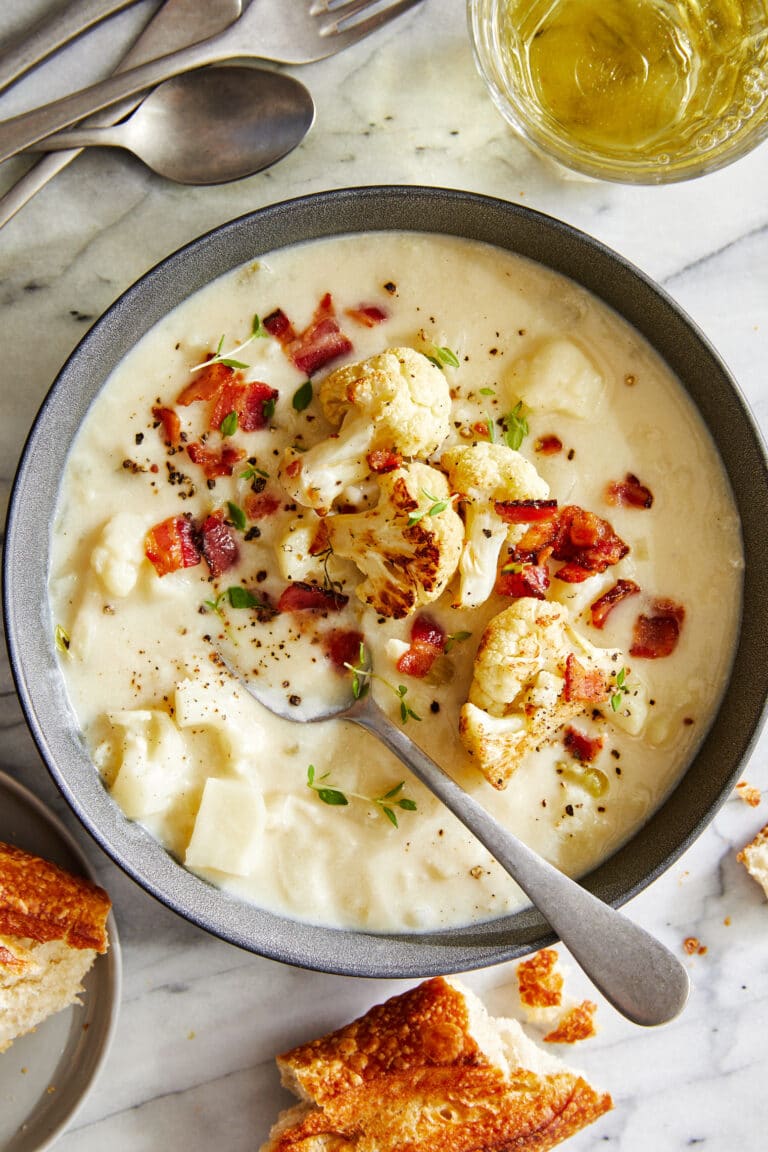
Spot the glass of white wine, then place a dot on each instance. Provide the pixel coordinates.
(639, 91)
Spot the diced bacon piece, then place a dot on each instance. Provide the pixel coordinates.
(548, 445)
(525, 511)
(657, 635)
(301, 597)
(629, 491)
(320, 342)
(526, 580)
(215, 463)
(584, 685)
(582, 747)
(258, 402)
(384, 460)
(171, 545)
(537, 543)
(219, 545)
(342, 647)
(279, 326)
(260, 505)
(369, 315)
(588, 542)
(323, 343)
(250, 403)
(170, 423)
(601, 609)
(205, 384)
(427, 643)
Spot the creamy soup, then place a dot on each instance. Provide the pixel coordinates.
(175, 541)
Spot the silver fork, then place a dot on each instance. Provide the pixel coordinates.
(284, 31)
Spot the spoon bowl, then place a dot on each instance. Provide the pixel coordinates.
(208, 127)
(637, 974)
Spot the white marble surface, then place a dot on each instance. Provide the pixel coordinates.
(200, 1021)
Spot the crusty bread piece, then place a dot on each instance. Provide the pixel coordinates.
(754, 857)
(430, 1070)
(52, 926)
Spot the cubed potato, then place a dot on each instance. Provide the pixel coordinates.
(228, 829)
(119, 553)
(559, 377)
(152, 762)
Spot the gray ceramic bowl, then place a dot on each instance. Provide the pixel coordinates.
(715, 768)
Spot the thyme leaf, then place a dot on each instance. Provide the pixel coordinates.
(338, 799)
(437, 506)
(443, 357)
(229, 424)
(515, 426)
(302, 397)
(61, 639)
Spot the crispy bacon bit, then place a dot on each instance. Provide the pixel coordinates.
(584, 685)
(369, 315)
(384, 460)
(215, 463)
(171, 424)
(548, 445)
(525, 580)
(657, 635)
(294, 468)
(250, 402)
(693, 946)
(260, 505)
(526, 511)
(320, 342)
(427, 643)
(629, 491)
(577, 1024)
(218, 544)
(301, 597)
(582, 747)
(540, 980)
(170, 545)
(601, 609)
(205, 384)
(586, 542)
(342, 647)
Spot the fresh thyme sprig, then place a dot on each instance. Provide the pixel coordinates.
(455, 638)
(622, 689)
(226, 358)
(338, 799)
(515, 426)
(361, 678)
(443, 357)
(436, 507)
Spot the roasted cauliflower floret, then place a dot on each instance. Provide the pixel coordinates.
(533, 672)
(396, 402)
(482, 474)
(407, 546)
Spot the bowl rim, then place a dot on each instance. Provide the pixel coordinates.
(724, 746)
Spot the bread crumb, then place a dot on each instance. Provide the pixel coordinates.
(540, 980)
(748, 793)
(754, 857)
(577, 1024)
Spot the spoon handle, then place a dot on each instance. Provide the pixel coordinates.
(23, 131)
(634, 971)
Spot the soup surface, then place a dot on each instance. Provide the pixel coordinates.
(187, 528)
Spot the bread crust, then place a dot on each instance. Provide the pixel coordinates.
(426, 1026)
(410, 1076)
(40, 901)
(451, 1110)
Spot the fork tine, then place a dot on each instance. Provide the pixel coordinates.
(345, 34)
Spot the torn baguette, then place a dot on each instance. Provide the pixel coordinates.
(430, 1069)
(52, 927)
